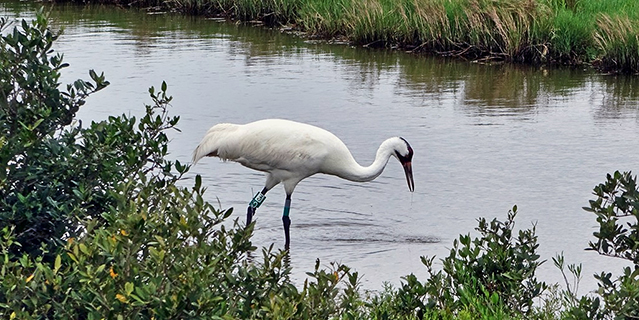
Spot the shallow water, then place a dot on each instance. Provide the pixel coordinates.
(485, 137)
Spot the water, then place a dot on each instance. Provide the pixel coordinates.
(485, 137)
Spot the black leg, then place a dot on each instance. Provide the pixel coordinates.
(249, 215)
(287, 221)
(255, 203)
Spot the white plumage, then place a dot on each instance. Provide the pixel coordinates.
(291, 151)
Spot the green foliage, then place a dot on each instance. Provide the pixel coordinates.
(163, 254)
(617, 38)
(488, 277)
(46, 181)
(166, 254)
(497, 263)
(617, 198)
(570, 304)
(618, 201)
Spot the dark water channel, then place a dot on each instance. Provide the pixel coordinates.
(485, 137)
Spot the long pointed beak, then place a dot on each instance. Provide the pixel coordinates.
(408, 169)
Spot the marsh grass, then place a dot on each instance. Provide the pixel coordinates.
(327, 18)
(537, 31)
(618, 40)
(601, 32)
(271, 12)
(571, 38)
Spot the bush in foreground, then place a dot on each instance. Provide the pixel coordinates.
(617, 211)
(48, 177)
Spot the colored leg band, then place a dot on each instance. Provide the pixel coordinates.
(257, 200)
(287, 207)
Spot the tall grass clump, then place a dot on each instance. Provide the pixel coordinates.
(496, 29)
(326, 18)
(617, 38)
(271, 12)
(571, 41)
(426, 23)
(501, 28)
(372, 22)
(613, 33)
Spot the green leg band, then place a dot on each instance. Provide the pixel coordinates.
(257, 200)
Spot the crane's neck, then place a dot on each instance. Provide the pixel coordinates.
(355, 172)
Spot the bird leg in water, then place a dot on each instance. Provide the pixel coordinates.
(287, 221)
(254, 204)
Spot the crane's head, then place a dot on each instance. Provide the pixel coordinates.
(404, 153)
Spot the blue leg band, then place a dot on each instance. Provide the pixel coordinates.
(287, 207)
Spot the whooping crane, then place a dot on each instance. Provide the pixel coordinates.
(290, 151)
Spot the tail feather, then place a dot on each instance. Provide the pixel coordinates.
(213, 140)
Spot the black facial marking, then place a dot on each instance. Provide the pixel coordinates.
(409, 156)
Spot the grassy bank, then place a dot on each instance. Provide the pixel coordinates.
(602, 33)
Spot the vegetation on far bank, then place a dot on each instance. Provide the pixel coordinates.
(93, 225)
(601, 33)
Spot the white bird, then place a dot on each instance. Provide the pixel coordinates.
(290, 151)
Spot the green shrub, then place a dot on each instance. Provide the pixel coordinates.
(49, 178)
(489, 277)
(500, 263)
(617, 211)
(92, 223)
(163, 254)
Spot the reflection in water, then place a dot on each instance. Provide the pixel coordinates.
(620, 96)
(552, 134)
(513, 88)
